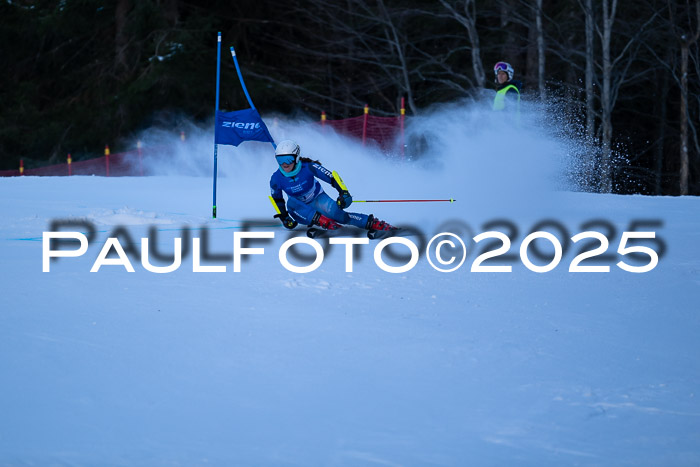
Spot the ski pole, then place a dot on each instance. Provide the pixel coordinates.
(403, 200)
(272, 200)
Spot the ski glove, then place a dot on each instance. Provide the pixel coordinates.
(287, 220)
(344, 199)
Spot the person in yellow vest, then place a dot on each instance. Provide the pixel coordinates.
(507, 89)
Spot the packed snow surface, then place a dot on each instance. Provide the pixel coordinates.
(269, 366)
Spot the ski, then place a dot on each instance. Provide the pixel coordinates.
(381, 234)
(315, 232)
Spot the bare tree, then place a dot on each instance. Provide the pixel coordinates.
(686, 40)
(590, 63)
(365, 52)
(121, 39)
(467, 18)
(662, 122)
(398, 44)
(611, 84)
(540, 50)
(606, 100)
(536, 50)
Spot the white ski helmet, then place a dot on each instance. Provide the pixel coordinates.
(503, 66)
(288, 148)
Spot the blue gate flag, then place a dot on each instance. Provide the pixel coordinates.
(242, 125)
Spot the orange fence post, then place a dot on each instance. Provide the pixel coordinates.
(323, 118)
(403, 115)
(107, 160)
(364, 124)
(139, 150)
(21, 166)
(70, 162)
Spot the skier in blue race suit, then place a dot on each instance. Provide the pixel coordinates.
(307, 203)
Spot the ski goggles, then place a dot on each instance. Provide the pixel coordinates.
(500, 66)
(285, 159)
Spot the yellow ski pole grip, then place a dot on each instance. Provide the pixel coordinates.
(272, 200)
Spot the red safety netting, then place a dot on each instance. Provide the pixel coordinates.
(385, 131)
(128, 163)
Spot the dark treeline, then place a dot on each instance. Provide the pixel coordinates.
(78, 74)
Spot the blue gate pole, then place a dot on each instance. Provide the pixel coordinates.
(216, 114)
(245, 90)
(240, 77)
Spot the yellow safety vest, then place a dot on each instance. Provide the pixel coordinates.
(499, 102)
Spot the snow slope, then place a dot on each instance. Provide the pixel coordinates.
(266, 366)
